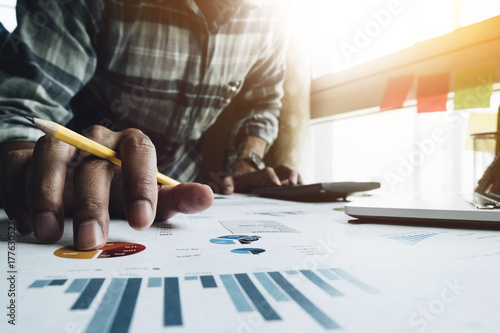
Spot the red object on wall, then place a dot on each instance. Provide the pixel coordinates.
(396, 92)
(432, 92)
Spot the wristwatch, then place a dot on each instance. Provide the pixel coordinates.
(253, 159)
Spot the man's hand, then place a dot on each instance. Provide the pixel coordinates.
(246, 177)
(40, 185)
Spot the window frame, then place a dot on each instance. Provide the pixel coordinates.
(363, 86)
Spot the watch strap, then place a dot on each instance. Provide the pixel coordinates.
(253, 159)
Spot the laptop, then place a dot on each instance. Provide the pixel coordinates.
(482, 206)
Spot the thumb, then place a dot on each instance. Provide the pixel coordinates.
(186, 198)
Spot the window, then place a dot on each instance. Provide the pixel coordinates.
(8, 14)
(348, 33)
(363, 44)
(400, 148)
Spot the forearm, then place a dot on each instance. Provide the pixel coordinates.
(37, 78)
(246, 161)
(252, 144)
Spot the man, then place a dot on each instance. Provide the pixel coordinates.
(165, 67)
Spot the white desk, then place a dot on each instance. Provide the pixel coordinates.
(310, 271)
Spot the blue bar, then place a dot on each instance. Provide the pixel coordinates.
(271, 288)
(321, 283)
(420, 236)
(410, 239)
(172, 315)
(106, 311)
(208, 281)
(404, 239)
(154, 282)
(304, 302)
(39, 284)
(414, 237)
(239, 300)
(125, 311)
(83, 302)
(77, 286)
(348, 277)
(191, 278)
(407, 241)
(57, 282)
(328, 274)
(256, 297)
(292, 272)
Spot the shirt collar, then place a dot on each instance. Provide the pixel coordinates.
(230, 11)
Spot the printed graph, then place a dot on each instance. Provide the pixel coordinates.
(261, 293)
(412, 238)
(110, 250)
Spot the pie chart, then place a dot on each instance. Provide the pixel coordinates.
(231, 239)
(110, 250)
(248, 250)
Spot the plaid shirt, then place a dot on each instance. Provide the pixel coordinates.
(158, 65)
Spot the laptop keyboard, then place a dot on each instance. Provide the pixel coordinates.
(484, 202)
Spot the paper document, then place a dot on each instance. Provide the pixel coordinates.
(256, 265)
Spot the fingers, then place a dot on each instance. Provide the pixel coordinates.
(38, 202)
(227, 185)
(94, 182)
(244, 182)
(14, 172)
(263, 178)
(91, 190)
(46, 186)
(92, 178)
(140, 188)
(185, 198)
(287, 175)
(299, 180)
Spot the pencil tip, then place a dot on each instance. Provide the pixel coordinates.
(31, 119)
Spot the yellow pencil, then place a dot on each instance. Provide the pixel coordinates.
(79, 141)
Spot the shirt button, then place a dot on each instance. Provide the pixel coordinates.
(196, 82)
(184, 121)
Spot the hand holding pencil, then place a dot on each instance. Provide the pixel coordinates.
(92, 188)
(79, 141)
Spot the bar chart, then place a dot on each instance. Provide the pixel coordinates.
(412, 238)
(260, 293)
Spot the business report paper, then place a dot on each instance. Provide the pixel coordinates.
(250, 264)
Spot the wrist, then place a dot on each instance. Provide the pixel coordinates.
(252, 160)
